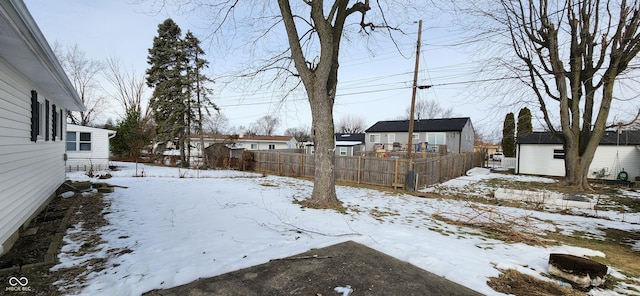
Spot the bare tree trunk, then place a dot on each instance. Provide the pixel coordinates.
(324, 189)
(320, 82)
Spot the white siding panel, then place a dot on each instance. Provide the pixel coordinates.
(538, 160)
(29, 172)
(614, 159)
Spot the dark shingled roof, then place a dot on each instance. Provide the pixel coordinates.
(423, 125)
(350, 137)
(609, 138)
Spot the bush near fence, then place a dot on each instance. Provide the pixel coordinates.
(386, 172)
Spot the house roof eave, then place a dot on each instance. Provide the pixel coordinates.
(25, 49)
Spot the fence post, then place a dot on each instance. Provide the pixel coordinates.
(301, 169)
(395, 174)
(359, 168)
(279, 164)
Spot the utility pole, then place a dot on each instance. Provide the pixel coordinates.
(413, 96)
(410, 178)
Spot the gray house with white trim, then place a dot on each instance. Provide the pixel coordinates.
(456, 133)
(35, 95)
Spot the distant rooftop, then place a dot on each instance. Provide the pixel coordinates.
(422, 125)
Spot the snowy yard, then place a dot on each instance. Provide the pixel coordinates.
(176, 230)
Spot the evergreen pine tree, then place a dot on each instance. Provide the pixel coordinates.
(199, 102)
(166, 76)
(508, 135)
(524, 122)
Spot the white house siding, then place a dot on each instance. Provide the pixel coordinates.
(98, 157)
(23, 161)
(537, 159)
(628, 158)
(264, 145)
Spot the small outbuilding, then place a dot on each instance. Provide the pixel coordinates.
(221, 155)
(617, 156)
(87, 148)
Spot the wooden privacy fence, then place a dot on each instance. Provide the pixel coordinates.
(387, 172)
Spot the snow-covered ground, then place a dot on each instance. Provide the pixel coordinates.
(176, 230)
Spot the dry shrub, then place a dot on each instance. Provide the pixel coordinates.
(515, 283)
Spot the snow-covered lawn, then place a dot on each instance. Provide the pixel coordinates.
(176, 230)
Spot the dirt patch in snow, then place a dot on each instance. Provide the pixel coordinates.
(26, 268)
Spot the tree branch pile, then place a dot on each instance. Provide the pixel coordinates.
(510, 228)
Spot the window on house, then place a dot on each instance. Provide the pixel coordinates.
(391, 138)
(416, 136)
(272, 146)
(71, 141)
(41, 120)
(78, 141)
(343, 151)
(436, 139)
(46, 120)
(254, 146)
(374, 138)
(558, 153)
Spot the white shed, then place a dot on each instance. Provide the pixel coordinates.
(540, 153)
(35, 95)
(87, 147)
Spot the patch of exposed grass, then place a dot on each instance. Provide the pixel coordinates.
(322, 205)
(379, 214)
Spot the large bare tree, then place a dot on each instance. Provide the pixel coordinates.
(428, 109)
(313, 35)
(128, 88)
(351, 124)
(571, 54)
(134, 130)
(265, 125)
(83, 73)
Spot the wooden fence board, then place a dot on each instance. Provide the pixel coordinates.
(386, 172)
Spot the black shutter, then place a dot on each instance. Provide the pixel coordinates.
(54, 121)
(34, 116)
(62, 116)
(46, 120)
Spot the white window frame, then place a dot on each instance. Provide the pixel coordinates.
(416, 136)
(391, 138)
(437, 136)
(78, 142)
(343, 151)
(41, 119)
(374, 138)
(254, 146)
(272, 146)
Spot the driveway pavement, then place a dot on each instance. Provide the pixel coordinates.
(333, 270)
